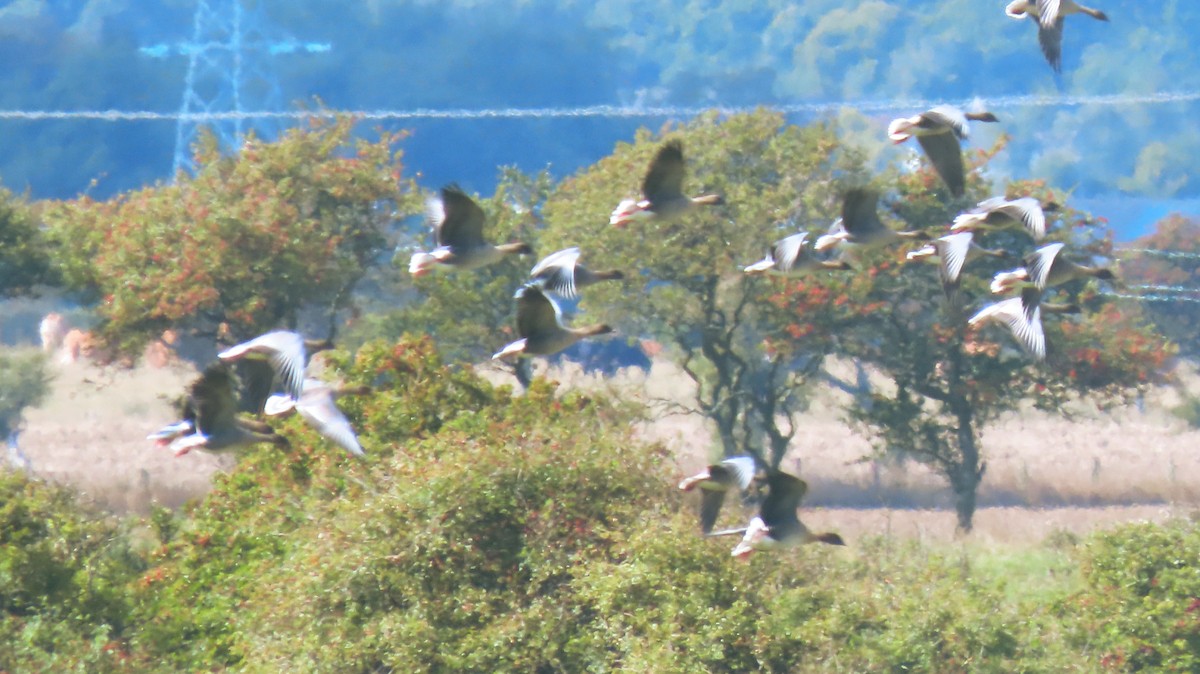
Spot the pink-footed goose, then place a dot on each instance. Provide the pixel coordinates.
(777, 525)
(940, 131)
(662, 190)
(457, 223)
(1049, 15)
(539, 324)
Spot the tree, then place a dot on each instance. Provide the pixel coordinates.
(946, 384)
(685, 286)
(1170, 257)
(248, 243)
(24, 252)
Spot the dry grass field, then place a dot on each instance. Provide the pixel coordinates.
(1044, 474)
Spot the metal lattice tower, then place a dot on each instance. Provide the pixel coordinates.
(228, 78)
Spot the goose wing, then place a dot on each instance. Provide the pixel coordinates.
(953, 250)
(536, 313)
(788, 250)
(1022, 316)
(945, 153)
(1048, 11)
(211, 398)
(664, 179)
(461, 221)
(1040, 262)
(784, 493)
(1028, 211)
(860, 215)
(317, 407)
(556, 273)
(284, 350)
(1050, 40)
(739, 469)
(710, 507)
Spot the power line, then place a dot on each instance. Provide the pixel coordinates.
(1153, 297)
(614, 111)
(1159, 252)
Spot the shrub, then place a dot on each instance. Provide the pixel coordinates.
(63, 574)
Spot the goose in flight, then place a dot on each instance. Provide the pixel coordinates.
(940, 131)
(662, 190)
(539, 324)
(1044, 268)
(952, 252)
(790, 256)
(860, 224)
(211, 412)
(999, 212)
(561, 274)
(736, 472)
(1049, 15)
(457, 223)
(777, 525)
(1023, 317)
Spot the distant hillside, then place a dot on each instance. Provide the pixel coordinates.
(85, 55)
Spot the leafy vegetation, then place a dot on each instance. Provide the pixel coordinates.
(488, 532)
(243, 246)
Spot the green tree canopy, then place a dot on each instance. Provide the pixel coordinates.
(685, 286)
(246, 244)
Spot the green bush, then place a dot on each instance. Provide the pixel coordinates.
(1140, 610)
(534, 533)
(63, 576)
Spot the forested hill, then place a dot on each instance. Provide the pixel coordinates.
(451, 54)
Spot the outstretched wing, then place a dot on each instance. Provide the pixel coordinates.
(1050, 39)
(317, 407)
(462, 220)
(556, 273)
(664, 179)
(1041, 261)
(211, 398)
(788, 250)
(945, 154)
(536, 313)
(860, 214)
(784, 493)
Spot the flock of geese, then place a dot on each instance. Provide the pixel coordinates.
(211, 419)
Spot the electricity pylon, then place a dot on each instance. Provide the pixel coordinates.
(229, 81)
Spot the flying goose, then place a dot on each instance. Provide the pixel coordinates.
(792, 255)
(939, 130)
(457, 223)
(733, 473)
(1044, 268)
(283, 349)
(1049, 15)
(212, 411)
(539, 323)
(776, 524)
(998, 212)
(953, 251)
(1023, 317)
(561, 274)
(662, 190)
(316, 406)
(860, 224)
